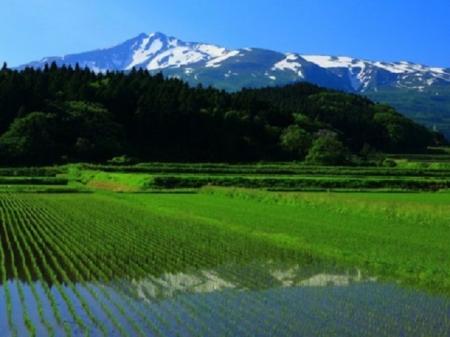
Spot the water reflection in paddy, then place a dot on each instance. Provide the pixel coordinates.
(259, 299)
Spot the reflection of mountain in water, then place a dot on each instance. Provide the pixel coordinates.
(255, 276)
(324, 280)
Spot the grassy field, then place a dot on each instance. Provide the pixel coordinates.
(159, 259)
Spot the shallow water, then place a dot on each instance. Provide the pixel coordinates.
(260, 299)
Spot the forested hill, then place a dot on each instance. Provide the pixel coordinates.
(64, 114)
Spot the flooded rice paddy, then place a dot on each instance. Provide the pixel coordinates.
(257, 299)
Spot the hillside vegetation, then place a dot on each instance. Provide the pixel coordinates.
(68, 114)
(430, 107)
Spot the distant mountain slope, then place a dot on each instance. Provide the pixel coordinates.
(407, 86)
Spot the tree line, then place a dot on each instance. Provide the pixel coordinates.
(65, 114)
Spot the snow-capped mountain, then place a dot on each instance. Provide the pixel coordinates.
(232, 69)
(368, 75)
(251, 67)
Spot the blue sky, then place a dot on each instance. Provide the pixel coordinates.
(391, 30)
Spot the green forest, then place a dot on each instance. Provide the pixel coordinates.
(63, 114)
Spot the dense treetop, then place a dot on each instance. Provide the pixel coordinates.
(64, 114)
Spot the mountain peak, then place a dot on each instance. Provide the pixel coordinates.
(232, 69)
(158, 35)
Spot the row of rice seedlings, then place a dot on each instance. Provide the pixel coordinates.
(253, 312)
(165, 237)
(256, 318)
(377, 321)
(371, 317)
(123, 233)
(26, 317)
(73, 268)
(87, 265)
(109, 226)
(323, 311)
(64, 291)
(4, 281)
(68, 262)
(376, 304)
(136, 266)
(92, 265)
(371, 322)
(169, 314)
(49, 271)
(54, 280)
(16, 238)
(52, 271)
(28, 242)
(164, 319)
(79, 271)
(35, 240)
(198, 305)
(139, 239)
(103, 267)
(141, 233)
(377, 310)
(116, 250)
(317, 316)
(110, 229)
(106, 262)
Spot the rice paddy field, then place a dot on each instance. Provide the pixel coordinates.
(224, 250)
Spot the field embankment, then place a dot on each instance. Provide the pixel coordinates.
(269, 176)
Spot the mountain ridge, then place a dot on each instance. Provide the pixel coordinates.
(159, 52)
(233, 69)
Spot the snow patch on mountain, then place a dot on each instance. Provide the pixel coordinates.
(439, 71)
(334, 62)
(175, 58)
(401, 67)
(211, 50)
(144, 51)
(216, 62)
(290, 63)
(158, 51)
(363, 73)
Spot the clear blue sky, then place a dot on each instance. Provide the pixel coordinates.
(391, 30)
